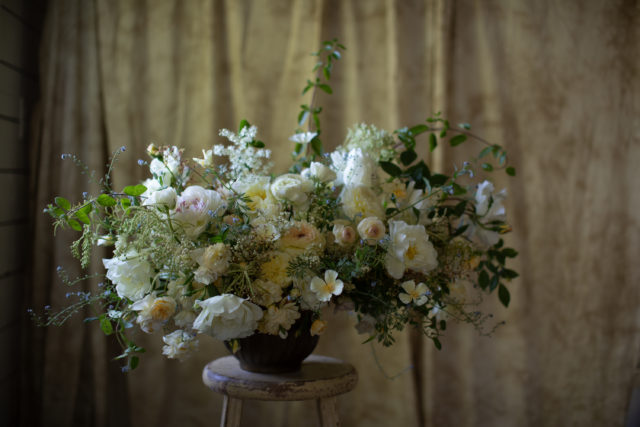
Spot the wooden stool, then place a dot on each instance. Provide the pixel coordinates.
(321, 378)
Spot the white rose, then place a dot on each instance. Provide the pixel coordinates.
(131, 274)
(227, 316)
(195, 207)
(291, 187)
(344, 234)
(409, 248)
(179, 344)
(213, 261)
(319, 171)
(165, 197)
(371, 229)
(490, 207)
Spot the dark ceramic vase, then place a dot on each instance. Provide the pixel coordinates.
(270, 354)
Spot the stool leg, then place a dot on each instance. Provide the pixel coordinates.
(231, 412)
(327, 412)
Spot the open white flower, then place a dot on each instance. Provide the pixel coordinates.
(409, 248)
(415, 294)
(303, 137)
(331, 285)
(153, 311)
(131, 273)
(179, 344)
(227, 316)
(163, 197)
(292, 187)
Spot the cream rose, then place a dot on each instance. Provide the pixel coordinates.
(195, 207)
(227, 316)
(344, 234)
(212, 260)
(291, 187)
(320, 172)
(165, 197)
(131, 274)
(371, 229)
(301, 236)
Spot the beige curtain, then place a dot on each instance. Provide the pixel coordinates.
(557, 83)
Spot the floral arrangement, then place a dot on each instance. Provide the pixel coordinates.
(221, 246)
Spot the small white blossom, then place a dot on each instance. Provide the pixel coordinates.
(179, 344)
(324, 289)
(415, 294)
(303, 137)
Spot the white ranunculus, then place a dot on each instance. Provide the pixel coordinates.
(179, 344)
(291, 187)
(165, 197)
(320, 172)
(195, 207)
(131, 274)
(409, 248)
(371, 229)
(227, 316)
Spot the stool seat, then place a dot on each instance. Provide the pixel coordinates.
(320, 378)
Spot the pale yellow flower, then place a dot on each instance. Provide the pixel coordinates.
(278, 320)
(415, 294)
(275, 270)
(318, 327)
(324, 289)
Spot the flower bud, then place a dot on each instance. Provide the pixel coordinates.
(371, 229)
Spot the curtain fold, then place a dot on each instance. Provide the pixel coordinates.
(555, 83)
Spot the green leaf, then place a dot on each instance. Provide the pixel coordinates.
(243, 124)
(125, 202)
(316, 145)
(83, 217)
(336, 54)
(487, 167)
(325, 88)
(458, 189)
(418, 129)
(436, 342)
(105, 325)
(63, 203)
(302, 117)
(495, 280)
(391, 168)
(133, 362)
(438, 179)
(327, 73)
(483, 279)
(106, 200)
(484, 152)
(433, 142)
(134, 190)
(257, 144)
(509, 252)
(443, 325)
(74, 224)
(503, 294)
(457, 140)
(407, 157)
(511, 171)
(508, 274)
